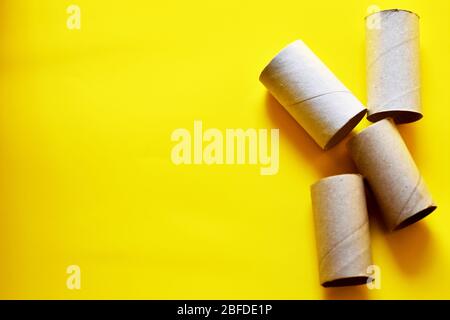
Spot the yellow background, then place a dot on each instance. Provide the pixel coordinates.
(87, 179)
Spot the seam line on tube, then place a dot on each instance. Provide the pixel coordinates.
(401, 213)
(399, 96)
(352, 259)
(319, 95)
(340, 242)
(390, 49)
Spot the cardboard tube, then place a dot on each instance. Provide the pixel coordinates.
(311, 93)
(393, 70)
(342, 230)
(383, 158)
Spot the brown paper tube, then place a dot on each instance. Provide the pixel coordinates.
(384, 160)
(393, 70)
(342, 230)
(311, 93)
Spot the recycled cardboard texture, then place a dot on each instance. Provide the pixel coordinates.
(393, 66)
(311, 93)
(342, 230)
(384, 160)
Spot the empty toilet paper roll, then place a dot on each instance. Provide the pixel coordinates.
(393, 70)
(342, 230)
(311, 93)
(384, 160)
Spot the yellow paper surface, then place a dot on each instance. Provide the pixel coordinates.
(85, 170)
